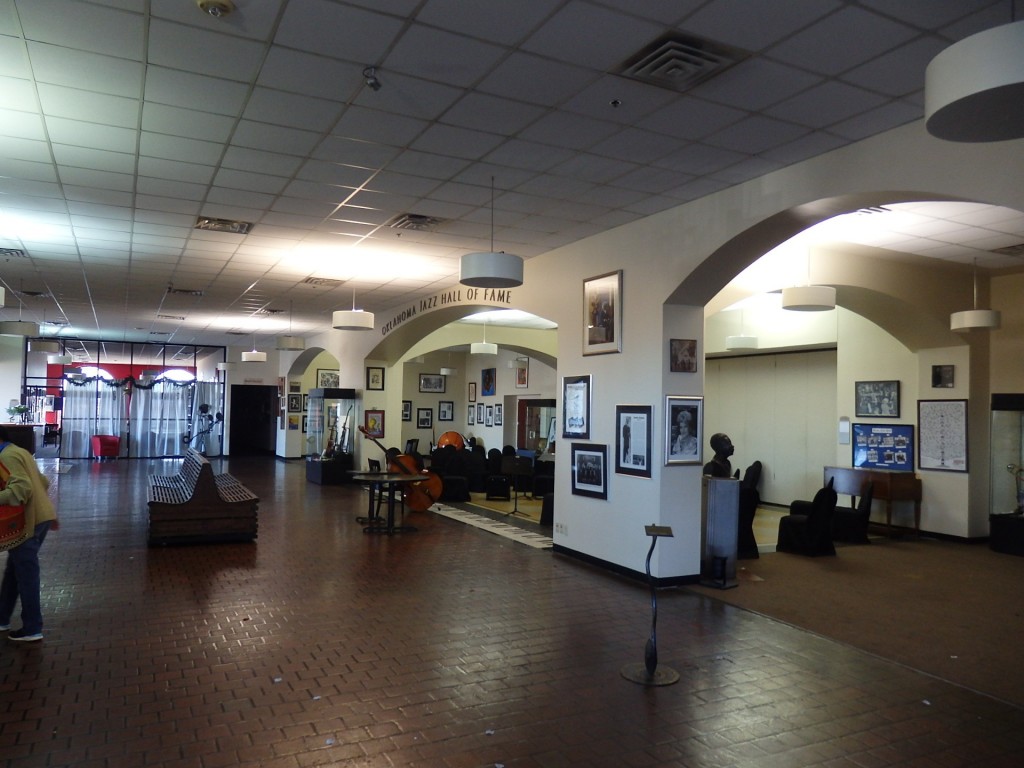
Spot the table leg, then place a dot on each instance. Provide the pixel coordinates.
(372, 519)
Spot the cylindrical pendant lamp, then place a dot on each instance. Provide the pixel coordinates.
(809, 298)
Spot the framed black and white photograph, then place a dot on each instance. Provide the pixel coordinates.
(602, 314)
(942, 377)
(633, 439)
(407, 410)
(480, 410)
(472, 392)
(432, 382)
(471, 415)
(942, 435)
(328, 379)
(305, 423)
(498, 415)
(682, 355)
(374, 378)
(590, 470)
(684, 429)
(576, 406)
(294, 403)
(424, 418)
(305, 402)
(446, 410)
(489, 419)
(877, 399)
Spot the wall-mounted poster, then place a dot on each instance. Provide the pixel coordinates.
(488, 377)
(942, 435)
(576, 406)
(446, 410)
(682, 355)
(877, 398)
(884, 446)
(683, 429)
(590, 470)
(633, 440)
(471, 415)
(407, 410)
(327, 379)
(373, 423)
(602, 314)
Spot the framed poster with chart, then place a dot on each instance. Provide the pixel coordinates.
(942, 435)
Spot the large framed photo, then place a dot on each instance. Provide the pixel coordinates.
(942, 435)
(488, 377)
(328, 379)
(373, 423)
(446, 410)
(590, 470)
(602, 314)
(877, 399)
(576, 406)
(682, 355)
(633, 440)
(432, 382)
(374, 378)
(424, 418)
(684, 429)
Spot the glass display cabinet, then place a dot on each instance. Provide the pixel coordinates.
(1006, 482)
(331, 418)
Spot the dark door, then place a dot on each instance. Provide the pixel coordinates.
(253, 420)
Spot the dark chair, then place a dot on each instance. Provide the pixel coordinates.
(543, 478)
(750, 500)
(497, 485)
(807, 529)
(851, 523)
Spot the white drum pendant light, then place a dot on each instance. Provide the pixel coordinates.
(290, 343)
(254, 356)
(483, 347)
(975, 319)
(809, 298)
(974, 90)
(491, 269)
(352, 320)
(44, 345)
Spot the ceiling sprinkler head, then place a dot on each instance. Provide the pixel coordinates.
(216, 8)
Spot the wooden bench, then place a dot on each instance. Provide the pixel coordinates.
(195, 505)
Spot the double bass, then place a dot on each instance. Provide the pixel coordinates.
(419, 497)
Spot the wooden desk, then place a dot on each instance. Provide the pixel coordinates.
(889, 487)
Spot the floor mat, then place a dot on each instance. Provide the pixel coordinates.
(530, 539)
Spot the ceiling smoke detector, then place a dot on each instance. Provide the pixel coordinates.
(216, 8)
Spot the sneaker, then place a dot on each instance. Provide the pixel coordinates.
(20, 636)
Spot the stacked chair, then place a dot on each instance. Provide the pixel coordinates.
(807, 529)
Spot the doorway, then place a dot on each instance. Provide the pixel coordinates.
(253, 420)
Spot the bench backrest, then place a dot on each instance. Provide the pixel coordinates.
(197, 471)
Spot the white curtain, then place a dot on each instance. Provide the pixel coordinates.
(207, 430)
(78, 423)
(159, 419)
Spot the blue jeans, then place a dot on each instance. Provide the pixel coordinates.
(21, 579)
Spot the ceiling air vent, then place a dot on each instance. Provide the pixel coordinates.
(680, 62)
(170, 317)
(322, 282)
(224, 225)
(416, 222)
(268, 311)
(13, 253)
(172, 291)
(1011, 250)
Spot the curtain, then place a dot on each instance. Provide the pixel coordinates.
(79, 420)
(159, 420)
(207, 424)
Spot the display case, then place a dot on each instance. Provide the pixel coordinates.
(1006, 481)
(331, 417)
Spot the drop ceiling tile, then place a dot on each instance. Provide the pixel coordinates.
(400, 183)
(103, 197)
(29, 188)
(504, 23)
(745, 170)
(528, 155)
(756, 134)
(190, 49)
(373, 125)
(336, 174)
(84, 177)
(571, 131)
(825, 104)
(170, 188)
(440, 56)
(24, 149)
(332, 29)
(358, 153)
(619, 100)
(317, 191)
(841, 41)
(290, 109)
(84, 26)
(591, 36)
(274, 138)
(21, 125)
(484, 112)
(456, 142)
(535, 80)
(408, 95)
(255, 202)
(179, 148)
(91, 135)
(898, 72)
(176, 121)
(268, 162)
(28, 170)
(595, 168)
(161, 203)
(887, 116)
(929, 14)
(633, 144)
(176, 171)
(88, 71)
(255, 21)
(14, 58)
(60, 101)
(195, 91)
(249, 181)
(756, 83)
(803, 148)
(691, 118)
(18, 94)
(764, 23)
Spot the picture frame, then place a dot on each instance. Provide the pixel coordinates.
(489, 421)
(590, 470)
(294, 387)
(293, 423)
(942, 376)
(328, 379)
(446, 410)
(305, 402)
(942, 435)
(471, 394)
(883, 446)
(684, 429)
(305, 424)
(294, 403)
(432, 383)
(633, 439)
(374, 378)
(488, 382)
(602, 313)
(471, 415)
(877, 399)
(499, 415)
(682, 355)
(522, 372)
(407, 410)
(373, 422)
(480, 412)
(424, 418)
(576, 406)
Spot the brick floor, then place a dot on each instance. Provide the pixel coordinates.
(319, 646)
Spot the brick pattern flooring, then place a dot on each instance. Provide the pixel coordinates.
(321, 646)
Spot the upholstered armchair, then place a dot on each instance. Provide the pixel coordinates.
(807, 529)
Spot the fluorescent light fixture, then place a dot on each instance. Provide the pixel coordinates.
(974, 89)
(809, 298)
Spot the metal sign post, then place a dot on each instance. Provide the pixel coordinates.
(648, 673)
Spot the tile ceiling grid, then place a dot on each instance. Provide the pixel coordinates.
(124, 120)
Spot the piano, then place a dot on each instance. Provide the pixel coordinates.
(890, 486)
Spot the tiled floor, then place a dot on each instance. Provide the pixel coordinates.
(322, 646)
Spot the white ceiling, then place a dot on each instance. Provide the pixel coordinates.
(122, 121)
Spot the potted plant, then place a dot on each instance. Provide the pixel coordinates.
(17, 413)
